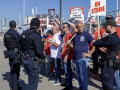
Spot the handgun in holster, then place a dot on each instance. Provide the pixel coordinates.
(102, 62)
(6, 54)
(20, 55)
(38, 62)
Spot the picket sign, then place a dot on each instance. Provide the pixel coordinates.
(77, 13)
(98, 8)
(118, 19)
(51, 16)
(92, 20)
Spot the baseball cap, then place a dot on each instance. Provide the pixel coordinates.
(110, 22)
(95, 25)
(35, 22)
(108, 17)
(12, 23)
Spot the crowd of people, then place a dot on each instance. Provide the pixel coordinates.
(60, 48)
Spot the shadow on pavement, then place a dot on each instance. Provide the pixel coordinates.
(22, 83)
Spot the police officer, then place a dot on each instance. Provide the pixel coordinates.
(111, 42)
(32, 47)
(12, 43)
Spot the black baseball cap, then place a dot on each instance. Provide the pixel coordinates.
(12, 23)
(50, 31)
(35, 22)
(110, 22)
(108, 17)
(95, 25)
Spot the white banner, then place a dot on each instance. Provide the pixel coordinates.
(118, 19)
(98, 7)
(77, 13)
(92, 20)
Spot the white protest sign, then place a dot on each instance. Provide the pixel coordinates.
(98, 7)
(92, 20)
(77, 13)
(118, 19)
(51, 14)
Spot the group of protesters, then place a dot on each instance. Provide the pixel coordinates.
(62, 48)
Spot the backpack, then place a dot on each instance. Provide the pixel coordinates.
(25, 40)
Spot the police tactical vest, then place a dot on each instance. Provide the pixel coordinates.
(25, 40)
(10, 40)
(109, 53)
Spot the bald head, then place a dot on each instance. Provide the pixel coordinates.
(55, 29)
(80, 27)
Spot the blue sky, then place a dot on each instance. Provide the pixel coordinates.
(10, 9)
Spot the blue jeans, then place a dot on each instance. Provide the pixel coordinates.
(56, 65)
(116, 80)
(33, 75)
(81, 73)
(68, 72)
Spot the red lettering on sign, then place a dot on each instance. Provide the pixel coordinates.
(92, 11)
(97, 4)
(103, 8)
(98, 9)
(119, 19)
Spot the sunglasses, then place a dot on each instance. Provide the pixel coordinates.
(64, 27)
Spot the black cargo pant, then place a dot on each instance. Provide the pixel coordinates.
(14, 70)
(107, 76)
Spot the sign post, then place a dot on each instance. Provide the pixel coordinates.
(90, 28)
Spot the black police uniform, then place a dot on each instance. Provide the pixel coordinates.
(12, 43)
(36, 50)
(107, 72)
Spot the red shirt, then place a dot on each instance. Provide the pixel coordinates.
(47, 46)
(95, 35)
(73, 32)
(65, 47)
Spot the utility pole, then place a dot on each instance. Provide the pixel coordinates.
(1, 27)
(19, 19)
(60, 12)
(36, 9)
(117, 6)
(23, 10)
